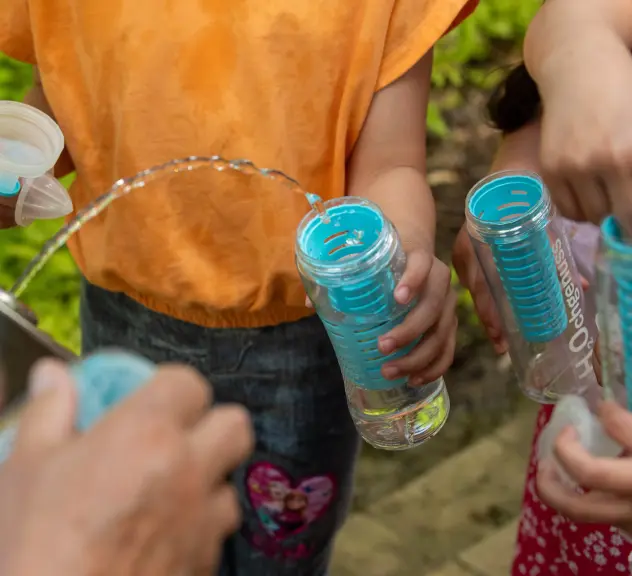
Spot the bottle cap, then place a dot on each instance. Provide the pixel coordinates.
(30, 145)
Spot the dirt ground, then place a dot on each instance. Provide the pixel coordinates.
(482, 388)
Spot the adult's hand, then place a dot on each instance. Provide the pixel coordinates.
(142, 493)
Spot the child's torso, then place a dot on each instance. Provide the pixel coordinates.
(133, 84)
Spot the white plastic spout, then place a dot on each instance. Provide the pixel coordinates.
(30, 145)
(42, 198)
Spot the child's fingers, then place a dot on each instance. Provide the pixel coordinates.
(597, 363)
(588, 507)
(440, 365)
(418, 266)
(488, 315)
(308, 302)
(612, 475)
(464, 259)
(418, 321)
(617, 423)
(424, 315)
(484, 304)
(430, 347)
(472, 278)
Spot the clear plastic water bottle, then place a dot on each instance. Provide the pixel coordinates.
(30, 145)
(526, 256)
(350, 264)
(614, 313)
(614, 305)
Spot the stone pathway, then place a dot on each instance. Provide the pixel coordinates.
(458, 519)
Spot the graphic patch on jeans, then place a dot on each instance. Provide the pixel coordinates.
(286, 507)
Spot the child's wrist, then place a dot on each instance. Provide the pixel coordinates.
(551, 67)
(416, 235)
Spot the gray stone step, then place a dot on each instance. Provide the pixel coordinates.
(440, 520)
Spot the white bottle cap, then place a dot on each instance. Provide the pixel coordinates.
(30, 145)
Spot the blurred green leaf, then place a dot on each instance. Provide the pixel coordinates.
(465, 56)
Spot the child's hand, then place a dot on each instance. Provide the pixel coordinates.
(428, 280)
(608, 480)
(472, 278)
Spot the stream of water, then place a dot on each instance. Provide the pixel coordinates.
(126, 185)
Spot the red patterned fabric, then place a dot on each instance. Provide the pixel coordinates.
(549, 544)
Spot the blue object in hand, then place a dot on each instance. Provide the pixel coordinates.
(103, 380)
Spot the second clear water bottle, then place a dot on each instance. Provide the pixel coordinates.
(350, 263)
(527, 260)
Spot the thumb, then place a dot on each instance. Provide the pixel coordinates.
(48, 419)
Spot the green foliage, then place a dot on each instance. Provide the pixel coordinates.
(468, 56)
(462, 54)
(15, 79)
(54, 293)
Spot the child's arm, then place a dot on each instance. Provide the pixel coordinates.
(388, 166)
(388, 163)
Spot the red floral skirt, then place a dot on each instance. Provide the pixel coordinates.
(549, 544)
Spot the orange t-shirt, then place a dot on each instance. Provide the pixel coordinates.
(286, 84)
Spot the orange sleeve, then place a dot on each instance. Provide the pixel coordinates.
(415, 27)
(464, 14)
(15, 31)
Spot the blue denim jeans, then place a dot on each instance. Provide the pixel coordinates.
(296, 488)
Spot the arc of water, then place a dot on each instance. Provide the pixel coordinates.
(126, 185)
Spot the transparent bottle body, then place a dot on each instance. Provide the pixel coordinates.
(612, 278)
(528, 264)
(351, 284)
(614, 313)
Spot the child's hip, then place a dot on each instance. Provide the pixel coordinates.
(286, 373)
(289, 379)
(273, 353)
